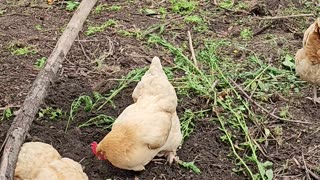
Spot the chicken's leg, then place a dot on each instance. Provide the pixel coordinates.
(171, 156)
(315, 98)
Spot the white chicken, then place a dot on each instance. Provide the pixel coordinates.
(33, 156)
(41, 161)
(147, 128)
(62, 169)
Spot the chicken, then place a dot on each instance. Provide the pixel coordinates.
(307, 59)
(61, 169)
(147, 128)
(33, 156)
(38, 160)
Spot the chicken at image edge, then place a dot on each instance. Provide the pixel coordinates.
(147, 128)
(307, 59)
(39, 161)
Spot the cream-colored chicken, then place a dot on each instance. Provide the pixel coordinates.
(147, 128)
(307, 59)
(38, 160)
(61, 169)
(33, 156)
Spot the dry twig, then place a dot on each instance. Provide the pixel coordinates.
(305, 166)
(192, 50)
(284, 17)
(263, 109)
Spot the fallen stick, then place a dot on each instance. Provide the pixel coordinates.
(284, 17)
(22, 122)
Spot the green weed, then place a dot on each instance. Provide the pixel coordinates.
(6, 114)
(2, 12)
(23, 51)
(75, 106)
(193, 19)
(246, 34)
(40, 62)
(191, 166)
(38, 27)
(114, 8)
(101, 120)
(72, 5)
(183, 6)
(53, 114)
(135, 33)
(228, 4)
(94, 29)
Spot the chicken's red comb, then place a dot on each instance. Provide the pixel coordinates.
(94, 147)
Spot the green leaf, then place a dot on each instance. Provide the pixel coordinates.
(269, 174)
(191, 165)
(288, 62)
(149, 12)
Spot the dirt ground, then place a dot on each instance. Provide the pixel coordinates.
(77, 76)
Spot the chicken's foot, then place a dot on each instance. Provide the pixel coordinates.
(315, 98)
(171, 156)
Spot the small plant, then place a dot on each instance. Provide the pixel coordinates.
(191, 166)
(99, 121)
(2, 12)
(226, 4)
(193, 19)
(148, 12)
(288, 62)
(246, 34)
(23, 51)
(183, 6)
(163, 12)
(100, 8)
(40, 62)
(72, 5)
(136, 33)
(114, 8)
(38, 27)
(7, 113)
(54, 114)
(94, 29)
(103, 7)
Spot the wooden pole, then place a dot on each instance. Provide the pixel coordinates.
(22, 122)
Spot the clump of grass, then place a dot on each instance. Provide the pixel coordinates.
(101, 120)
(72, 5)
(39, 64)
(75, 106)
(183, 6)
(200, 25)
(191, 166)
(114, 8)
(23, 51)
(135, 33)
(246, 34)
(38, 27)
(102, 7)
(228, 4)
(193, 19)
(6, 114)
(53, 114)
(94, 29)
